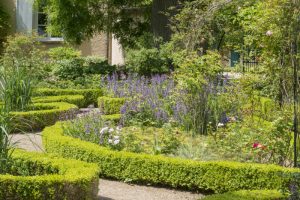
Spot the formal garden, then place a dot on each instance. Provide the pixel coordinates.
(176, 115)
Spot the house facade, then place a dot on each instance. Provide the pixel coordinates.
(24, 18)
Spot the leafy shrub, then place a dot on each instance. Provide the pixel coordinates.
(4, 25)
(62, 53)
(108, 105)
(71, 69)
(90, 95)
(146, 62)
(248, 195)
(97, 65)
(41, 115)
(39, 176)
(25, 52)
(218, 176)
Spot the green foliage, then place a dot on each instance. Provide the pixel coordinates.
(62, 53)
(219, 176)
(109, 105)
(15, 89)
(146, 62)
(79, 20)
(40, 116)
(90, 95)
(112, 118)
(25, 52)
(39, 176)
(248, 195)
(77, 100)
(5, 143)
(4, 25)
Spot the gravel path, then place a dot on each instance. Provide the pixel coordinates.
(111, 190)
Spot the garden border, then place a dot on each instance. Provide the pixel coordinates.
(74, 179)
(35, 120)
(216, 176)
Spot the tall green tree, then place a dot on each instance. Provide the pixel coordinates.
(4, 25)
(78, 20)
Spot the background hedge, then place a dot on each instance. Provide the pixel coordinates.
(218, 176)
(42, 115)
(109, 105)
(73, 180)
(90, 95)
(248, 195)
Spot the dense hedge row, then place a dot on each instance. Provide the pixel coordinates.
(211, 176)
(42, 115)
(67, 179)
(113, 118)
(90, 95)
(248, 195)
(109, 105)
(77, 100)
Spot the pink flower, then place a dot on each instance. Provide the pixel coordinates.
(269, 33)
(255, 145)
(258, 145)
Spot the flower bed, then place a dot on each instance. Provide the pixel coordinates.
(248, 195)
(42, 115)
(77, 100)
(52, 178)
(218, 176)
(109, 105)
(90, 95)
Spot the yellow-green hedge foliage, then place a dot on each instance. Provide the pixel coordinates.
(90, 95)
(248, 195)
(109, 105)
(114, 118)
(217, 176)
(78, 100)
(59, 179)
(42, 115)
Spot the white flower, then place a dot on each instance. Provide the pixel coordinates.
(220, 124)
(110, 141)
(269, 33)
(118, 128)
(111, 130)
(116, 142)
(103, 130)
(116, 137)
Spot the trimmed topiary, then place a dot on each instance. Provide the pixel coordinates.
(248, 195)
(37, 176)
(78, 100)
(217, 176)
(90, 95)
(41, 115)
(109, 105)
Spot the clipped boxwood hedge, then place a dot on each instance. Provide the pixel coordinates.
(248, 195)
(44, 114)
(78, 100)
(109, 105)
(90, 95)
(114, 118)
(217, 176)
(54, 178)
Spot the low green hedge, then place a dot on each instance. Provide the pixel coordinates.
(114, 118)
(109, 105)
(77, 100)
(90, 95)
(248, 195)
(218, 176)
(44, 114)
(57, 178)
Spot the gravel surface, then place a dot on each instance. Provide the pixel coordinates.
(113, 190)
